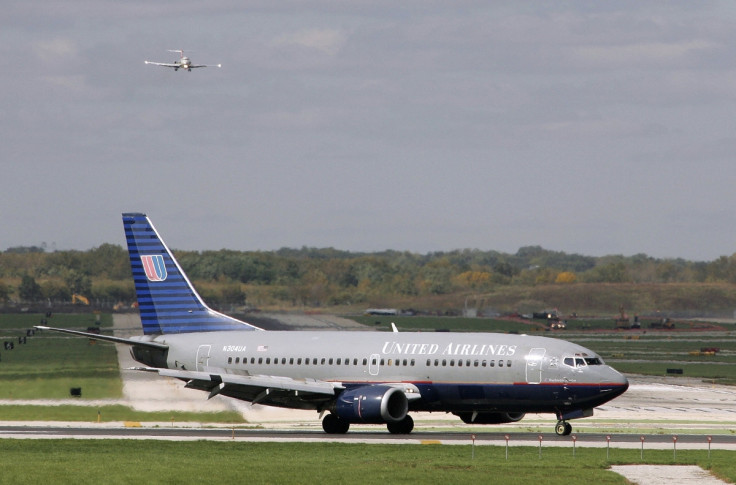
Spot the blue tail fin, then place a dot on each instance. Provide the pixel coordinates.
(167, 300)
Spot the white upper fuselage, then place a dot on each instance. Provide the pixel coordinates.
(439, 364)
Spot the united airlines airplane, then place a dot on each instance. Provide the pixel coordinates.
(352, 377)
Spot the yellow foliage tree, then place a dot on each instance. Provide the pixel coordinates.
(566, 277)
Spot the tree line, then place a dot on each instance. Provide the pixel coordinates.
(327, 276)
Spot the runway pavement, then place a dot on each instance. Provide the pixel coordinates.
(224, 433)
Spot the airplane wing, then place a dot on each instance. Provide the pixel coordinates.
(165, 64)
(258, 389)
(205, 65)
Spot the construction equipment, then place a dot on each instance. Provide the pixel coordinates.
(623, 321)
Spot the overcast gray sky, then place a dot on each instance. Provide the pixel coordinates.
(589, 127)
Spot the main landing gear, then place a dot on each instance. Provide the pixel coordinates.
(405, 426)
(563, 428)
(333, 424)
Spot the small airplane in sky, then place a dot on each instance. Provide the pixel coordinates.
(183, 63)
(352, 377)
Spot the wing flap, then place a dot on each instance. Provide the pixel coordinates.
(258, 389)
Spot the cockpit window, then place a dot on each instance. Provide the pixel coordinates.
(574, 361)
(582, 361)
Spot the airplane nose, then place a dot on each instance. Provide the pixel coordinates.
(617, 385)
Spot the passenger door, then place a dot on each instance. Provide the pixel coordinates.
(203, 357)
(534, 365)
(373, 363)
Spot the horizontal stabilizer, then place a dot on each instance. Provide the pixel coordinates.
(107, 338)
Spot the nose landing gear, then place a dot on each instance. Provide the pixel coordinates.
(563, 428)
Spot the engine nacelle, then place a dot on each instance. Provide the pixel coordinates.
(372, 404)
(490, 418)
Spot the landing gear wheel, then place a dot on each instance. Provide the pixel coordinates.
(405, 426)
(563, 428)
(335, 425)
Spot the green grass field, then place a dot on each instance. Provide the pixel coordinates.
(120, 461)
(49, 364)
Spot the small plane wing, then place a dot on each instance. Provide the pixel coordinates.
(165, 64)
(206, 65)
(258, 389)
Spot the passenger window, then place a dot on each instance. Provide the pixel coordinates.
(412, 362)
(492, 363)
(500, 363)
(339, 361)
(467, 363)
(475, 364)
(389, 361)
(429, 362)
(365, 361)
(306, 361)
(229, 360)
(323, 361)
(436, 362)
(252, 360)
(291, 361)
(483, 363)
(314, 361)
(299, 361)
(459, 363)
(237, 360)
(283, 360)
(268, 360)
(508, 363)
(260, 360)
(444, 362)
(381, 361)
(330, 362)
(452, 362)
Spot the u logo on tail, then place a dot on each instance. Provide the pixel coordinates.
(167, 301)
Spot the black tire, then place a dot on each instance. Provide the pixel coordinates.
(568, 429)
(561, 427)
(405, 426)
(335, 425)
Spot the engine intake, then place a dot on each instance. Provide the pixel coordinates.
(372, 404)
(490, 418)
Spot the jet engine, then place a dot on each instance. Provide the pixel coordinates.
(372, 404)
(490, 418)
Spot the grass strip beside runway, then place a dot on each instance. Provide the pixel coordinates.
(111, 413)
(127, 461)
